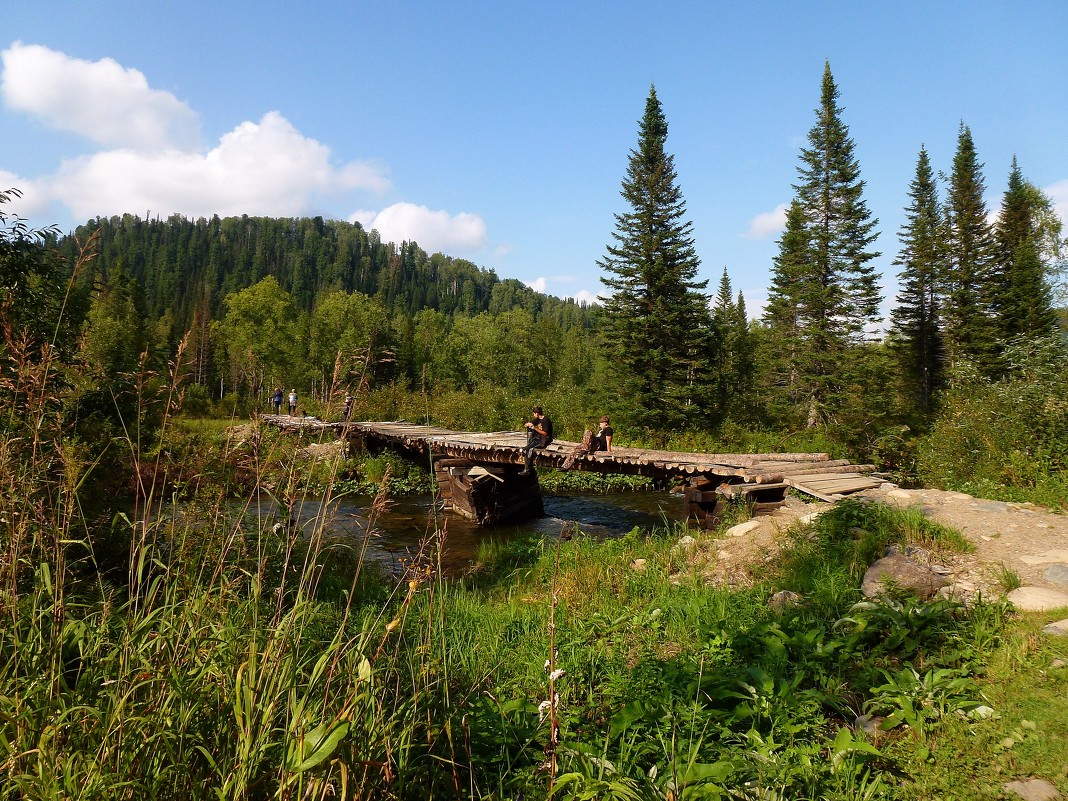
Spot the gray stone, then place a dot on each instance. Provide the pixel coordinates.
(742, 529)
(1058, 628)
(685, 543)
(903, 573)
(1038, 599)
(782, 600)
(1057, 574)
(989, 506)
(1033, 790)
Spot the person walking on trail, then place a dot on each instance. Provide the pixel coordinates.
(292, 402)
(348, 406)
(539, 434)
(277, 400)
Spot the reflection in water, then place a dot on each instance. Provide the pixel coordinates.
(397, 533)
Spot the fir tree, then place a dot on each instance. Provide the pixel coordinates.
(969, 279)
(784, 313)
(825, 292)
(734, 378)
(1024, 306)
(656, 322)
(915, 328)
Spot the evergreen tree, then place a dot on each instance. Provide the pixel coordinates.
(1024, 306)
(969, 331)
(734, 377)
(824, 266)
(915, 329)
(656, 322)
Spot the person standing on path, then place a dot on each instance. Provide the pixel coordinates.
(292, 402)
(277, 400)
(539, 434)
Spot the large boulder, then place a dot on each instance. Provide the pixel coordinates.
(899, 573)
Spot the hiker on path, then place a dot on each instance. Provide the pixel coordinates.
(277, 400)
(348, 406)
(292, 402)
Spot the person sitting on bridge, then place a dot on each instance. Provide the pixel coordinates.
(539, 434)
(591, 443)
(602, 439)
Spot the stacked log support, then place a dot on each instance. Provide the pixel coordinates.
(487, 495)
(703, 504)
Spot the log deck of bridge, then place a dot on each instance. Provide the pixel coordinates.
(478, 473)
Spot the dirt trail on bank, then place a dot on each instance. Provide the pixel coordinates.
(1026, 540)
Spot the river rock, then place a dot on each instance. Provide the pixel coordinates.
(782, 600)
(743, 528)
(1046, 557)
(901, 572)
(1056, 574)
(1058, 628)
(1038, 599)
(1033, 790)
(638, 564)
(687, 543)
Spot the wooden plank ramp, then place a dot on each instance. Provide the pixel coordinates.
(831, 486)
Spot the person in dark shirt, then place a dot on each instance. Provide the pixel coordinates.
(539, 434)
(602, 439)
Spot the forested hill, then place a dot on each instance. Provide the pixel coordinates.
(182, 265)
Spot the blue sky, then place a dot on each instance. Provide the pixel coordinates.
(498, 131)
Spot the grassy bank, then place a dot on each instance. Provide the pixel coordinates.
(238, 663)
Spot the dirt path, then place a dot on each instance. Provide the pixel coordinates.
(1010, 538)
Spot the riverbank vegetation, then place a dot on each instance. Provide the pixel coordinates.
(163, 637)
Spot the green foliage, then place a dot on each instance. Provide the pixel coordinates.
(915, 331)
(824, 290)
(1006, 437)
(656, 324)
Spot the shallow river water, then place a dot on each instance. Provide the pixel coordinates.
(397, 534)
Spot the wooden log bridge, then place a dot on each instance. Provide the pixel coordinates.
(478, 473)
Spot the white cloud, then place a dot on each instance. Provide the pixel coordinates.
(266, 168)
(432, 230)
(585, 296)
(1059, 193)
(768, 223)
(538, 284)
(100, 100)
(151, 161)
(33, 199)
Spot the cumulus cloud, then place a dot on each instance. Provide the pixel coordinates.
(151, 161)
(538, 284)
(266, 168)
(433, 230)
(1059, 193)
(587, 297)
(100, 100)
(768, 223)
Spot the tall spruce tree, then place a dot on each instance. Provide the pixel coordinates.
(824, 265)
(657, 327)
(969, 330)
(915, 322)
(1024, 305)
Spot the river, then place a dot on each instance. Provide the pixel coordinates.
(397, 533)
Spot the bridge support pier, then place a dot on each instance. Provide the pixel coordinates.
(487, 493)
(706, 499)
